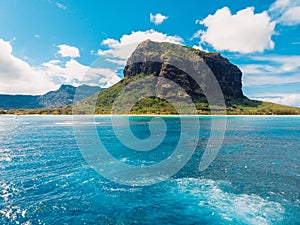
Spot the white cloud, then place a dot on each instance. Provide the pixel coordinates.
(37, 36)
(280, 5)
(291, 99)
(243, 32)
(18, 77)
(123, 48)
(290, 63)
(73, 72)
(271, 70)
(120, 62)
(61, 6)
(157, 18)
(108, 80)
(67, 71)
(198, 47)
(275, 73)
(265, 80)
(291, 16)
(68, 51)
(276, 64)
(286, 12)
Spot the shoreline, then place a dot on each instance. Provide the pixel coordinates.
(143, 115)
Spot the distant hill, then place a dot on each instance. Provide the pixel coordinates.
(61, 97)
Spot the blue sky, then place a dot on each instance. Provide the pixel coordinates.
(44, 43)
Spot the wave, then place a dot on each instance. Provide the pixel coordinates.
(216, 197)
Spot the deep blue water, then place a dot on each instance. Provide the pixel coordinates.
(255, 178)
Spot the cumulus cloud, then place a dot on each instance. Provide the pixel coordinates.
(68, 51)
(75, 73)
(121, 50)
(244, 32)
(286, 12)
(18, 77)
(157, 18)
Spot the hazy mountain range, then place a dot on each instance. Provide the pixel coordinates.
(60, 97)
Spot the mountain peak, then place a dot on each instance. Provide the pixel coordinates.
(64, 86)
(156, 58)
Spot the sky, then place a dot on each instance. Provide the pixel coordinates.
(46, 43)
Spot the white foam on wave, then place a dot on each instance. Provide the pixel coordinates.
(7, 190)
(5, 155)
(114, 189)
(14, 213)
(244, 208)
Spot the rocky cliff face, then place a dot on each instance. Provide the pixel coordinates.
(228, 75)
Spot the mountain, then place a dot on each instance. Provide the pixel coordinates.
(60, 97)
(66, 94)
(166, 55)
(173, 62)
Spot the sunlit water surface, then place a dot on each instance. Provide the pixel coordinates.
(255, 178)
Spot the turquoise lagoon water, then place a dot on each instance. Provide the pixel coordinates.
(254, 179)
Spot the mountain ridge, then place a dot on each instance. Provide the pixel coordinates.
(57, 98)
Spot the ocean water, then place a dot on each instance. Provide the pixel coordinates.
(255, 178)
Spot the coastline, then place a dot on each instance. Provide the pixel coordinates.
(144, 115)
